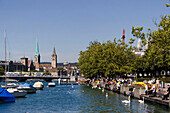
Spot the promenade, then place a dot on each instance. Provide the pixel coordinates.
(137, 92)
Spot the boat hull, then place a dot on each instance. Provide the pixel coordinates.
(28, 90)
(38, 85)
(51, 85)
(9, 86)
(19, 94)
(39, 88)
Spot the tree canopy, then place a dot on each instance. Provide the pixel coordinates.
(117, 58)
(106, 59)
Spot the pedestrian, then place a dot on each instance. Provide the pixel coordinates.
(157, 83)
(166, 94)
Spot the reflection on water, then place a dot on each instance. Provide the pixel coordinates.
(97, 102)
(81, 99)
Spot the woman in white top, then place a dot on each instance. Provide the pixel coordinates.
(157, 83)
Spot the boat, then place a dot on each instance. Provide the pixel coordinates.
(27, 87)
(38, 85)
(51, 84)
(17, 93)
(68, 83)
(34, 80)
(5, 96)
(10, 85)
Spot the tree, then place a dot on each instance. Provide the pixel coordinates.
(107, 59)
(157, 57)
(1, 70)
(47, 72)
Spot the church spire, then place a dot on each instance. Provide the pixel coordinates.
(54, 53)
(37, 54)
(37, 48)
(139, 46)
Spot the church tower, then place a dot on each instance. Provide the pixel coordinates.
(139, 45)
(37, 54)
(54, 59)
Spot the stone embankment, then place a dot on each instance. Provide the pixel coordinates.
(137, 93)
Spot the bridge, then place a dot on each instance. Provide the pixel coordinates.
(45, 78)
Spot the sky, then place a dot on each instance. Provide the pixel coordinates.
(69, 25)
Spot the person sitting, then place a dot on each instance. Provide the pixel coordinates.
(153, 91)
(149, 89)
(146, 89)
(157, 83)
(166, 94)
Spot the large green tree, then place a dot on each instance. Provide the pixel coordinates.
(107, 59)
(157, 56)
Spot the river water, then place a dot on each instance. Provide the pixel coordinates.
(79, 99)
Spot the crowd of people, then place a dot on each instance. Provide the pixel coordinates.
(152, 87)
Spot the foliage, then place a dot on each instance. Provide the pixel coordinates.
(1, 70)
(47, 72)
(117, 58)
(157, 56)
(107, 59)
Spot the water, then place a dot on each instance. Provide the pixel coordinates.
(79, 99)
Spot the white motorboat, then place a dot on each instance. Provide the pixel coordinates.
(10, 85)
(38, 85)
(17, 93)
(27, 87)
(51, 84)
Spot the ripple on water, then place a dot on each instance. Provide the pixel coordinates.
(83, 99)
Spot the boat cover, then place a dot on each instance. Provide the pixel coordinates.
(5, 96)
(25, 85)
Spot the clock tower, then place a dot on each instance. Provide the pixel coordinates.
(54, 59)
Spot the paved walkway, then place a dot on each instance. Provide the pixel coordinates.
(157, 100)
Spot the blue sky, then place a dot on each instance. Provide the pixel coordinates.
(69, 25)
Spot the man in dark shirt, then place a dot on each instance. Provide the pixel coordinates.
(166, 95)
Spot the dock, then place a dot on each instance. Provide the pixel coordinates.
(157, 100)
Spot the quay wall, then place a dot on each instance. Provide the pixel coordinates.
(138, 93)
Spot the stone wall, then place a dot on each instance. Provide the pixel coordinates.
(102, 85)
(138, 92)
(127, 90)
(111, 87)
(122, 89)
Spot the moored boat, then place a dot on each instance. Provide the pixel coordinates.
(38, 85)
(27, 87)
(5, 96)
(10, 85)
(51, 84)
(17, 93)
